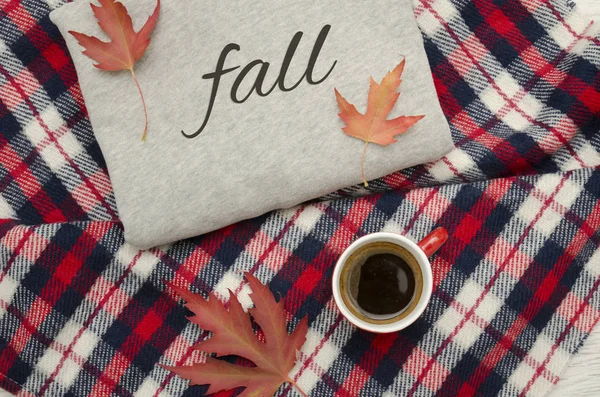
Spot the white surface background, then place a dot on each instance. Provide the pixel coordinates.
(582, 376)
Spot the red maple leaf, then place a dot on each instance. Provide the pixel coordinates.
(126, 45)
(233, 335)
(373, 126)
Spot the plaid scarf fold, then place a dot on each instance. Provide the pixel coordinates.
(515, 289)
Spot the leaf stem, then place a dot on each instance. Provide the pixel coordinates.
(363, 164)
(293, 383)
(137, 83)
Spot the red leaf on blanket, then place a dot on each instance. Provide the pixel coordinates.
(373, 126)
(233, 335)
(126, 45)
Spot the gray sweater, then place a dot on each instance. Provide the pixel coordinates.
(242, 112)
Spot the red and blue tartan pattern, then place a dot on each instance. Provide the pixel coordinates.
(516, 287)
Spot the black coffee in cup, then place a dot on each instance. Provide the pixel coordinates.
(381, 282)
(386, 285)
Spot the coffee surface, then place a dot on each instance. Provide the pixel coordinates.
(386, 284)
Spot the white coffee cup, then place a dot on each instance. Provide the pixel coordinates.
(415, 254)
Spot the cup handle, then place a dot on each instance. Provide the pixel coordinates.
(433, 241)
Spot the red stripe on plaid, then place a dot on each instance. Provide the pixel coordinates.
(430, 195)
(19, 15)
(309, 360)
(49, 295)
(56, 57)
(591, 98)
(567, 213)
(15, 252)
(507, 29)
(543, 70)
(7, 357)
(191, 267)
(465, 319)
(493, 83)
(543, 293)
(561, 338)
(451, 106)
(559, 16)
(354, 383)
(367, 365)
(75, 167)
(505, 344)
(21, 174)
(109, 377)
(33, 330)
(473, 132)
(88, 321)
(454, 170)
(541, 296)
(150, 323)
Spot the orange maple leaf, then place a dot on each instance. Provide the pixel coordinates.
(126, 45)
(373, 126)
(233, 335)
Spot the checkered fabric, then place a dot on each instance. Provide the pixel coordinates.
(515, 288)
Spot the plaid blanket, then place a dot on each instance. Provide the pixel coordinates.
(515, 288)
